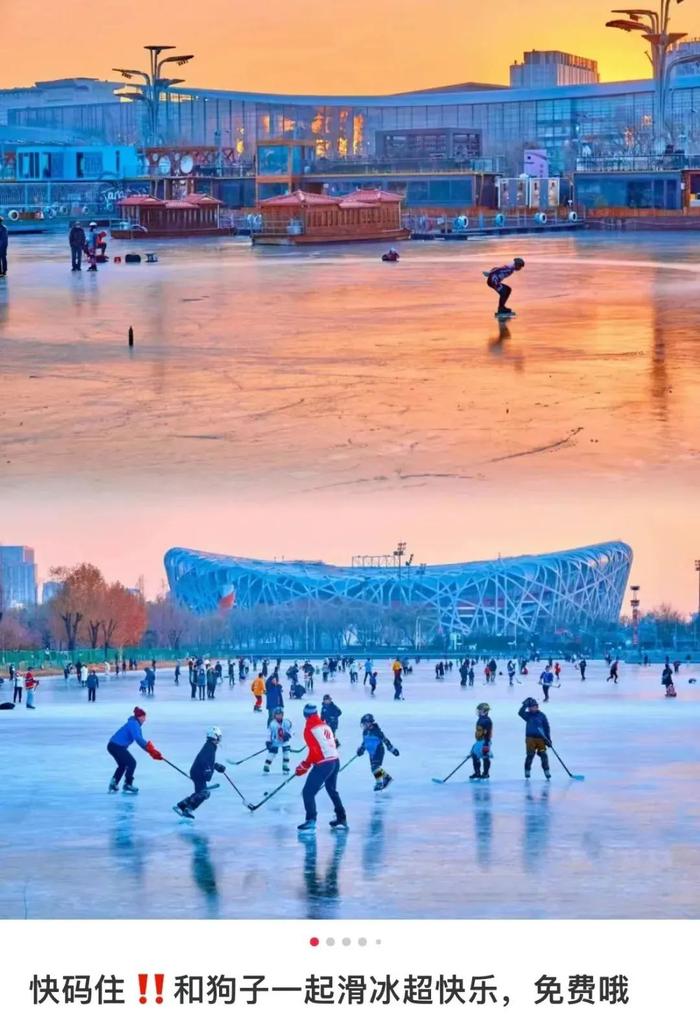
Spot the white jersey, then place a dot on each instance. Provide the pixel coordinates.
(277, 732)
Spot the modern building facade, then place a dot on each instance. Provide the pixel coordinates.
(507, 596)
(18, 586)
(555, 104)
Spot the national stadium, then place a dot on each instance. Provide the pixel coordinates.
(531, 593)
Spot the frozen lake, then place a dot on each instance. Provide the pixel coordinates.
(622, 844)
(355, 396)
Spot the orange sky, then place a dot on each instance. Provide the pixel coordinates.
(312, 45)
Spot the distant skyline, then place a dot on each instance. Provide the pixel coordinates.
(371, 46)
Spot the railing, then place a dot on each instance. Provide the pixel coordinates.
(402, 166)
(650, 162)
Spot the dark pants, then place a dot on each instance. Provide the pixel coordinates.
(76, 256)
(193, 688)
(325, 774)
(17, 694)
(125, 763)
(201, 692)
(504, 291)
(376, 761)
(3, 261)
(201, 793)
(92, 693)
(545, 690)
(398, 688)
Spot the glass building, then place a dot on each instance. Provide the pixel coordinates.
(483, 129)
(529, 594)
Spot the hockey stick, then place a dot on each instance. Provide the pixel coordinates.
(244, 759)
(354, 756)
(226, 776)
(441, 781)
(210, 786)
(578, 778)
(269, 796)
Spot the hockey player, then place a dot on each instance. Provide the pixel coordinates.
(374, 742)
(482, 747)
(373, 681)
(118, 747)
(279, 735)
(203, 767)
(667, 680)
(322, 760)
(537, 735)
(257, 688)
(495, 281)
(330, 713)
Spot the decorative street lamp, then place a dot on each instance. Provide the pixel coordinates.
(154, 84)
(654, 26)
(697, 623)
(634, 604)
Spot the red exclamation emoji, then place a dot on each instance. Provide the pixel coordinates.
(143, 983)
(159, 977)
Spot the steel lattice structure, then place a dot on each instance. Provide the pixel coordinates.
(510, 595)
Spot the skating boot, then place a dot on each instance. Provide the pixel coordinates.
(475, 775)
(266, 769)
(183, 812)
(285, 769)
(378, 785)
(130, 788)
(308, 826)
(113, 786)
(548, 776)
(527, 773)
(338, 824)
(385, 782)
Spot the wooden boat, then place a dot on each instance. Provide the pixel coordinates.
(365, 216)
(148, 217)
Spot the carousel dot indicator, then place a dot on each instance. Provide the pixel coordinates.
(330, 942)
(314, 941)
(362, 941)
(346, 941)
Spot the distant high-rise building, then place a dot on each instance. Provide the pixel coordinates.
(542, 69)
(49, 590)
(17, 577)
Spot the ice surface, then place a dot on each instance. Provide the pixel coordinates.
(623, 844)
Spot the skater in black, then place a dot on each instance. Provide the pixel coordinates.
(17, 692)
(330, 714)
(463, 672)
(667, 680)
(495, 281)
(92, 683)
(372, 682)
(613, 671)
(582, 665)
(481, 751)
(203, 767)
(374, 743)
(546, 680)
(118, 747)
(510, 667)
(537, 736)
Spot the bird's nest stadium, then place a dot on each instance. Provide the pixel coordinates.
(532, 593)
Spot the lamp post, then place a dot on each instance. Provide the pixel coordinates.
(634, 604)
(697, 622)
(654, 26)
(154, 83)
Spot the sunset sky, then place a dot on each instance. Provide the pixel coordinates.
(311, 46)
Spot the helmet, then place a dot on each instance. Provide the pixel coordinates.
(214, 734)
(483, 707)
(366, 719)
(92, 225)
(518, 262)
(310, 709)
(278, 711)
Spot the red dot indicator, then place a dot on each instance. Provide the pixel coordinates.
(314, 941)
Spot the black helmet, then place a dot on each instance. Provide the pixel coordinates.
(518, 262)
(367, 720)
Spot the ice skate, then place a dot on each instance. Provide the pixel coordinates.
(548, 776)
(183, 812)
(338, 823)
(485, 775)
(308, 826)
(113, 786)
(386, 781)
(130, 788)
(475, 775)
(527, 773)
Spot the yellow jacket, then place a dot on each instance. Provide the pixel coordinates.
(258, 687)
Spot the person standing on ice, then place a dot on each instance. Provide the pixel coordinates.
(667, 680)
(495, 280)
(613, 671)
(273, 696)
(368, 670)
(323, 762)
(398, 684)
(375, 743)
(582, 665)
(537, 736)
(257, 688)
(546, 680)
(510, 668)
(482, 747)
(203, 767)
(30, 687)
(92, 683)
(118, 747)
(279, 736)
(373, 682)
(330, 713)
